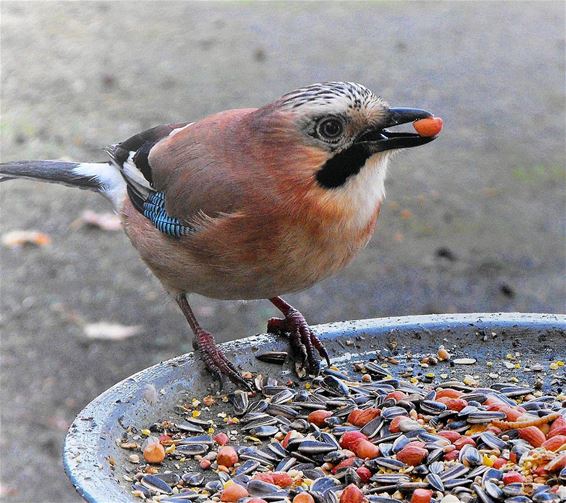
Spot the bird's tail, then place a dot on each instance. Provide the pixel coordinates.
(100, 176)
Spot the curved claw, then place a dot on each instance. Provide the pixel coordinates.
(298, 350)
(238, 380)
(320, 348)
(306, 339)
(216, 361)
(230, 371)
(303, 341)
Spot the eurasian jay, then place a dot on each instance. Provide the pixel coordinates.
(251, 203)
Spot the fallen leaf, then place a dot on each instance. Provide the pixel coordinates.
(17, 239)
(110, 331)
(491, 191)
(7, 491)
(105, 221)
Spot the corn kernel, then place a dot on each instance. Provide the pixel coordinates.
(476, 428)
(487, 460)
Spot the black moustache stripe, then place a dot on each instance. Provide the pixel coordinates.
(339, 168)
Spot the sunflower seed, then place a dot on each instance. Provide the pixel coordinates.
(263, 489)
(262, 420)
(240, 402)
(431, 407)
(190, 449)
(193, 478)
(492, 441)
(484, 416)
(200, 439)
(170, 478)
(155, 484)
(277, 357)
(455, 471)
(372, 428)
(315, 447)
(286, 464)
(190, 427)
(452, 483)
(283, 396)
(263, 431)
(435, 481)
(390, 479)
(493, 490)
(469, 456)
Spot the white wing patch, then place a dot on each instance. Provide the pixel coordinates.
(113, 185)
(133, 174)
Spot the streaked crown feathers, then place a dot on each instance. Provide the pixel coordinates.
(340, 95)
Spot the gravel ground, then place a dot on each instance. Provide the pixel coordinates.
(472, 222)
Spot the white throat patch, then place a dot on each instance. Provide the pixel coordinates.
(363, 191)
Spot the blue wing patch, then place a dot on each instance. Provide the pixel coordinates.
(154, 210)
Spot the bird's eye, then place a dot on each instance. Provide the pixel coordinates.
(330, 129)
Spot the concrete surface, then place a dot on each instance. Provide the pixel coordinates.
(473, 222)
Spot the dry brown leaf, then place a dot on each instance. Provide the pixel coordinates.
(7, 491)
(110, 331)
(105, 221)
(17, 239)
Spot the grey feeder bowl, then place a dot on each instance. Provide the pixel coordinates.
(90, 442)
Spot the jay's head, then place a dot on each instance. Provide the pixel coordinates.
(341, 128)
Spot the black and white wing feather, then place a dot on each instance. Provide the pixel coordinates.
(131, 157)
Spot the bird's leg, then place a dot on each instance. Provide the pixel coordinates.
(302, 338)
(211, 354)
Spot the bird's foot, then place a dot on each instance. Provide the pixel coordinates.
(216, 361)
(303, 341)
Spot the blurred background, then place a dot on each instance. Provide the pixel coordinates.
(472, 222)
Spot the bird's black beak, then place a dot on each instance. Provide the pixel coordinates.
(380, 139)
